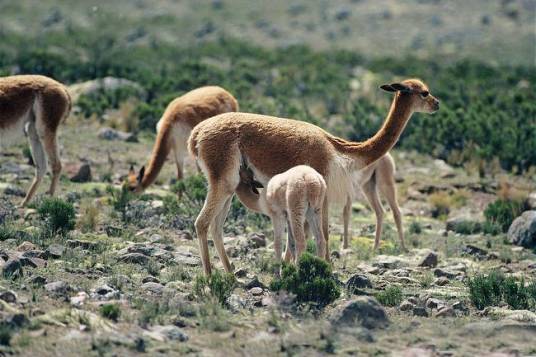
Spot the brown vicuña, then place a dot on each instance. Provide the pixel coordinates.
(37, 105)
(175, 126)
(273, 145)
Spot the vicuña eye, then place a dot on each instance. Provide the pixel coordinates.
(424, 94)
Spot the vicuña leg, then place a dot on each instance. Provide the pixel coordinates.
(371, 192)
(325, 225)
(216, 229)
(39, 159)
(315, 221)
(50, 143)
(290, 252)
(389, 192)
(346, 215)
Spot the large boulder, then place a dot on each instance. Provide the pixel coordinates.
(523, 230)
(106, 84)
(362, 311)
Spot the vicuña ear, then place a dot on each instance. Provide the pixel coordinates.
(141, 174)
(400, 87)
(387, 88)
(131, 170)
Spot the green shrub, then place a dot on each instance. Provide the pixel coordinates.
(311, 282)
(503, 212)
(6, 333)
(99, 101)
(120, 199)
(219, 285)
(7, 232)
(467, 227)
(494, 289)
(391, 296)
(58, 216)
(110, 311)
(415, 227)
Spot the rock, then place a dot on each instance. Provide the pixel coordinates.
(475, 251)
(186, 235)
(420, 311)
(14, 191)
(531, 200)
(12, 268)
(460, 306)
(362, 311)
(522, 231)
(104, 84)
(441, 281)
(254, 283)
(447, 274)
(26, 246)
(186, 258)
(445, 311)
(387, 262)
(84, 244)
(257, 240)
(8, 296)
(358, 282)
(134, 258)
(342, 14)
(60, 288)
(38, 280)
(83, 174)
(236, 302)
(429, 261)
(79, 299)
(116, 135)
(257, 291)
(166, 333)
(406, 306)
(104, 292)
(55, 251)
(153, 288)
(432, 303)
(150, 279)
(241, 273)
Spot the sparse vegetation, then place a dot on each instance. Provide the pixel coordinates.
(391, 296)
(503, 212)
(218, 285)
(110, 311)
(57, 215)
(311, 281)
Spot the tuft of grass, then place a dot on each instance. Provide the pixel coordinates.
(120, 199)
(391, 296)
(7, 232)
(58, 216)
(495, 288)
(502, 212)
(415, 228)
(426, 279)
(312, 281)
(89, 216)
(441, 204)
(110, 311)
(218, 285)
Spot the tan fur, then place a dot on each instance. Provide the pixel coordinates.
(173, 129)
(273, 145)
(377, 178)
(40, 104)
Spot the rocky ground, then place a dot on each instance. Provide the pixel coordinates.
(146, 262)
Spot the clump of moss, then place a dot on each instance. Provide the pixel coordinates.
(311, 281)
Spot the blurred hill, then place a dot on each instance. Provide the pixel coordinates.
(495, 31)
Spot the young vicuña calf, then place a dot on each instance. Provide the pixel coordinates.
(292, 197)
(175, 126)
(37, 105)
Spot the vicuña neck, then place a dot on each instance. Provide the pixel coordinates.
(370, 150)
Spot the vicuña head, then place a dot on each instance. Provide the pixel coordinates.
(273, 145)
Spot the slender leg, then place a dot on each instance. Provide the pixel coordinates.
(290, 252)
(217, 197)
(51, 148)
(179, 159)
(371, 192)
(216, 229)
(389, 192)
(346, 218)
(325, 226)
(39, 159)
(315, 219)
(296, 220)
(278, 222)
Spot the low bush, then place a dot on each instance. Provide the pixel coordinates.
(391, 296)
(502, 212)
(495, 288)
(57, 215)
(110, 311)
(311, 281)
(218, 285)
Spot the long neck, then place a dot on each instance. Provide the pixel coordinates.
(161, 149)
(370, 150)
(248, 198)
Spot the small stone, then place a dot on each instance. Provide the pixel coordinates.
(112, 134)
(447, 274)
(257, 240)
(83, 174)
(167, 333)
(358, 282)
(84, 244)
(267, 301)
(256, 291)
(79, 299)
(150, 279)
(362, 311)
(154, 288)
(55, 251)
(475, 251)
(420, 311)
(8, 296)
(134, 258)
(26, 246)
(186, 235)
(12, 268)
(522, 231)
(445, 311)
(58, 288)
(429, 261)
(432, 303)
(441, 281)
(236, 302)
(406, 306)
(241, 273)
(254, 283)
(104, 292)
(38, 280)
